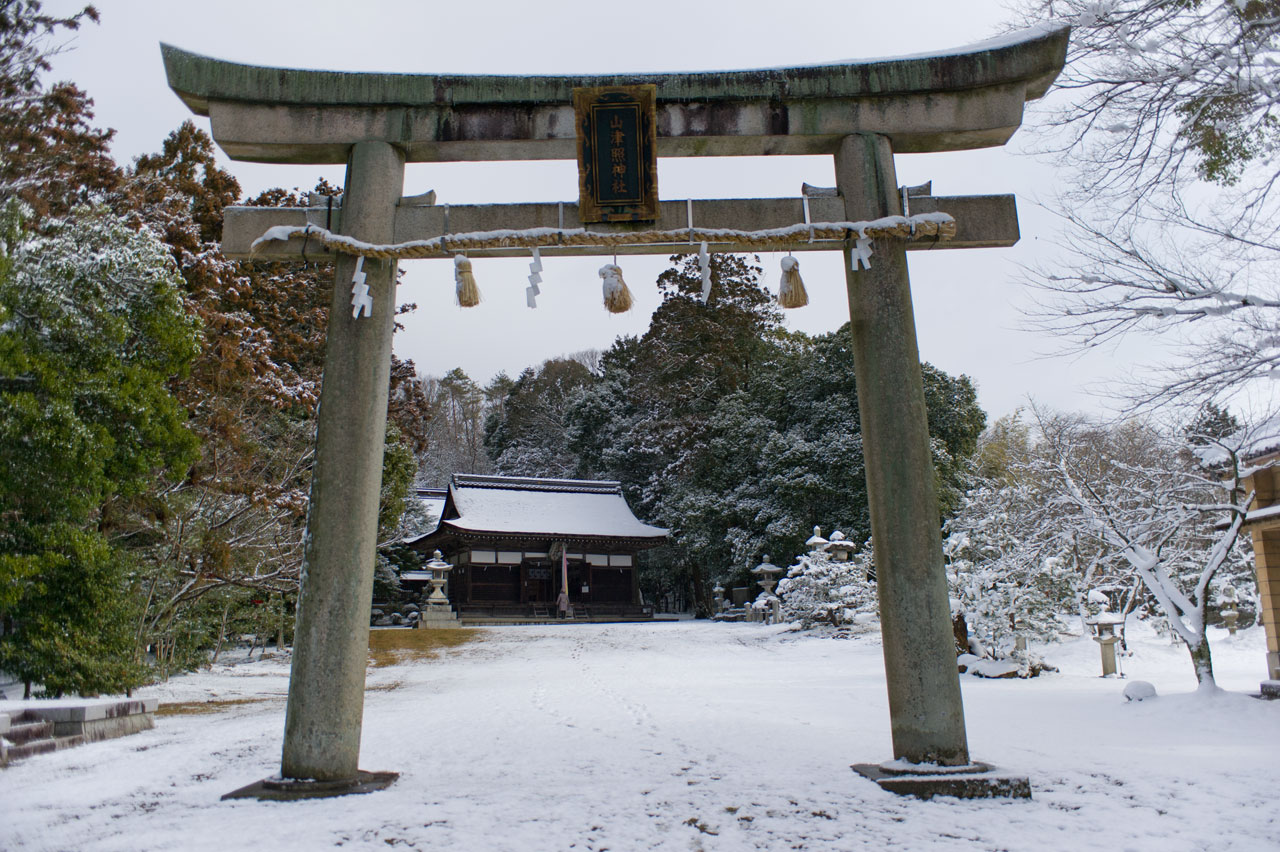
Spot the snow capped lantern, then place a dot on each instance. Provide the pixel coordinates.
(766, 571)
(1227, 608)
(816, 543)
(767, 605)
(439, 575)
(840, 547)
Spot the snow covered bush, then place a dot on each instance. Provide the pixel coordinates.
(1005, 569)
(821, 590)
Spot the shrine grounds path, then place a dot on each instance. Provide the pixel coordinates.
(681, 736)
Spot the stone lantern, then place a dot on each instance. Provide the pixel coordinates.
(816, 543)
(766, 571)
(1104, 633)
(1228, 608)
(437, 612)
(718, 591)
(840, 547)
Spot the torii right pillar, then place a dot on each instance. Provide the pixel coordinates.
(926, 712)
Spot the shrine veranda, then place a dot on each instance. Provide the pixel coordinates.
(860, 113)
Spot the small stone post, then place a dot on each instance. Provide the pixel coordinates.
(925, 709)
(331, 645)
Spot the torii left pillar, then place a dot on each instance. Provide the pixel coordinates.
(325, 712)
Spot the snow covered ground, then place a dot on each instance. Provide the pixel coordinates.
(688, 736)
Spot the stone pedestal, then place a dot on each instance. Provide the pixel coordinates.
(975, 781)
(292, 789)
(1107, 644)
(436, 617)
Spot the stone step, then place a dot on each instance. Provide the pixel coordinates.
(42, 746)
(43, 728)
(24, 730)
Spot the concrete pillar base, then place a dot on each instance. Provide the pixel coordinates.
(292, 789)
(1270, 689)
(973, 781)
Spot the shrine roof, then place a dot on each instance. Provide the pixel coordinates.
(569, 508)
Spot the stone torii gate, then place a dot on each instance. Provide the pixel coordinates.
(860, 113)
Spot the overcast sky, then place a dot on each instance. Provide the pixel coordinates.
(967, 302)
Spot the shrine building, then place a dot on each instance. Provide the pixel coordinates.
(515, 541)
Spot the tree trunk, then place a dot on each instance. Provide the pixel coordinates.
(222, 634)
(960, 629)
(701, 607)
(280, 626)
(1203, 662)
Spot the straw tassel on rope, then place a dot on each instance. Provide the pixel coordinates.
(791, 292)
(468, 292)
(617, 298)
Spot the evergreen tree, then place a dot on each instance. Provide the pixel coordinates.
(94, 328)
(527, 434)
(739, 436)
(51, 156)
(819, 590)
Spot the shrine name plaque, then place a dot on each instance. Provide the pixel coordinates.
(617, 153)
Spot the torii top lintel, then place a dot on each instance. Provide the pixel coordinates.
(967, 98)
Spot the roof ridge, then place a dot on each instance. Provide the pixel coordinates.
(529, 483)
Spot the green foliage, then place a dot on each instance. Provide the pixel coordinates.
(398, 470)
(71, 628)
(739, 436)
(1222, 128)
(1211, 423)
(527, 430)
(93, 330)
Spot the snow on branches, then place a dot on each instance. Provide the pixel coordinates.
(1174, 522)
(820, 589)
(1166, 119)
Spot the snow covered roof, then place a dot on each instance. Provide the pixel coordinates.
(568, 508)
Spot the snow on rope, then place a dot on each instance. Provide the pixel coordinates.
(940, 226)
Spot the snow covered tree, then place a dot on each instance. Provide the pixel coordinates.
(1008, 566)
(1174, 521)
(92, 330)
(227, 551)
(1166, 117)
(455, 429)
(820, 590)
(527, 432)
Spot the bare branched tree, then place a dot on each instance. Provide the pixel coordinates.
(1166, 119)
(1173, 516)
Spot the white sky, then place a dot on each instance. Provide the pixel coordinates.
(967, 302)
